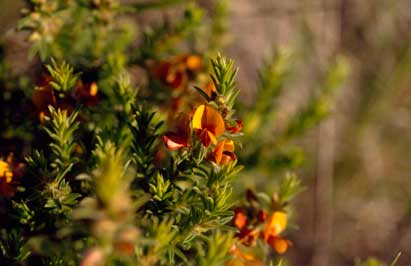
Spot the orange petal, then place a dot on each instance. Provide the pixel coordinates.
(210, 90)
(218, 152)
(240, 219)
(193, 62)
(93, 89)
(223, 152)
(279, 244)
(206, 117)
(227, 157)
(213, 121)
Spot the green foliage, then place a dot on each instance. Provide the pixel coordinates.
(146, 132)
(289, 187)
(63, 76)
(218, 247)
(224, 81)
(61, 131)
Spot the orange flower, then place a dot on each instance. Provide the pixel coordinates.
(44, 96)
(223, 152)
(178, 139)
(176, 71)
(172, 76)
(279, 244)
(208, 124)
(275, 225)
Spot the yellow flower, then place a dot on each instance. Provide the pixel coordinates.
(276, 224)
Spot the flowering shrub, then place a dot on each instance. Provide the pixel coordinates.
(125, 144)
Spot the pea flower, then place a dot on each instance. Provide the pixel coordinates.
(44, 95)
(275, 225)
(223, 152)
(177, 71)
(208, 124)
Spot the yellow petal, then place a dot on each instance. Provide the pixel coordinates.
(276, 224)
(229, 145)
(212, 137)
(5, 171)
(198, 116)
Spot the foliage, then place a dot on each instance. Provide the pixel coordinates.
(115, 175)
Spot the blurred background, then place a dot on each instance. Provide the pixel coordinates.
(356, 171)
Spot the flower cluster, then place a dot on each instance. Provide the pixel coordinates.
(44, 95)
(208, 126)
(253, 223)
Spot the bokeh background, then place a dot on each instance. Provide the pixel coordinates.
(357, 202)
